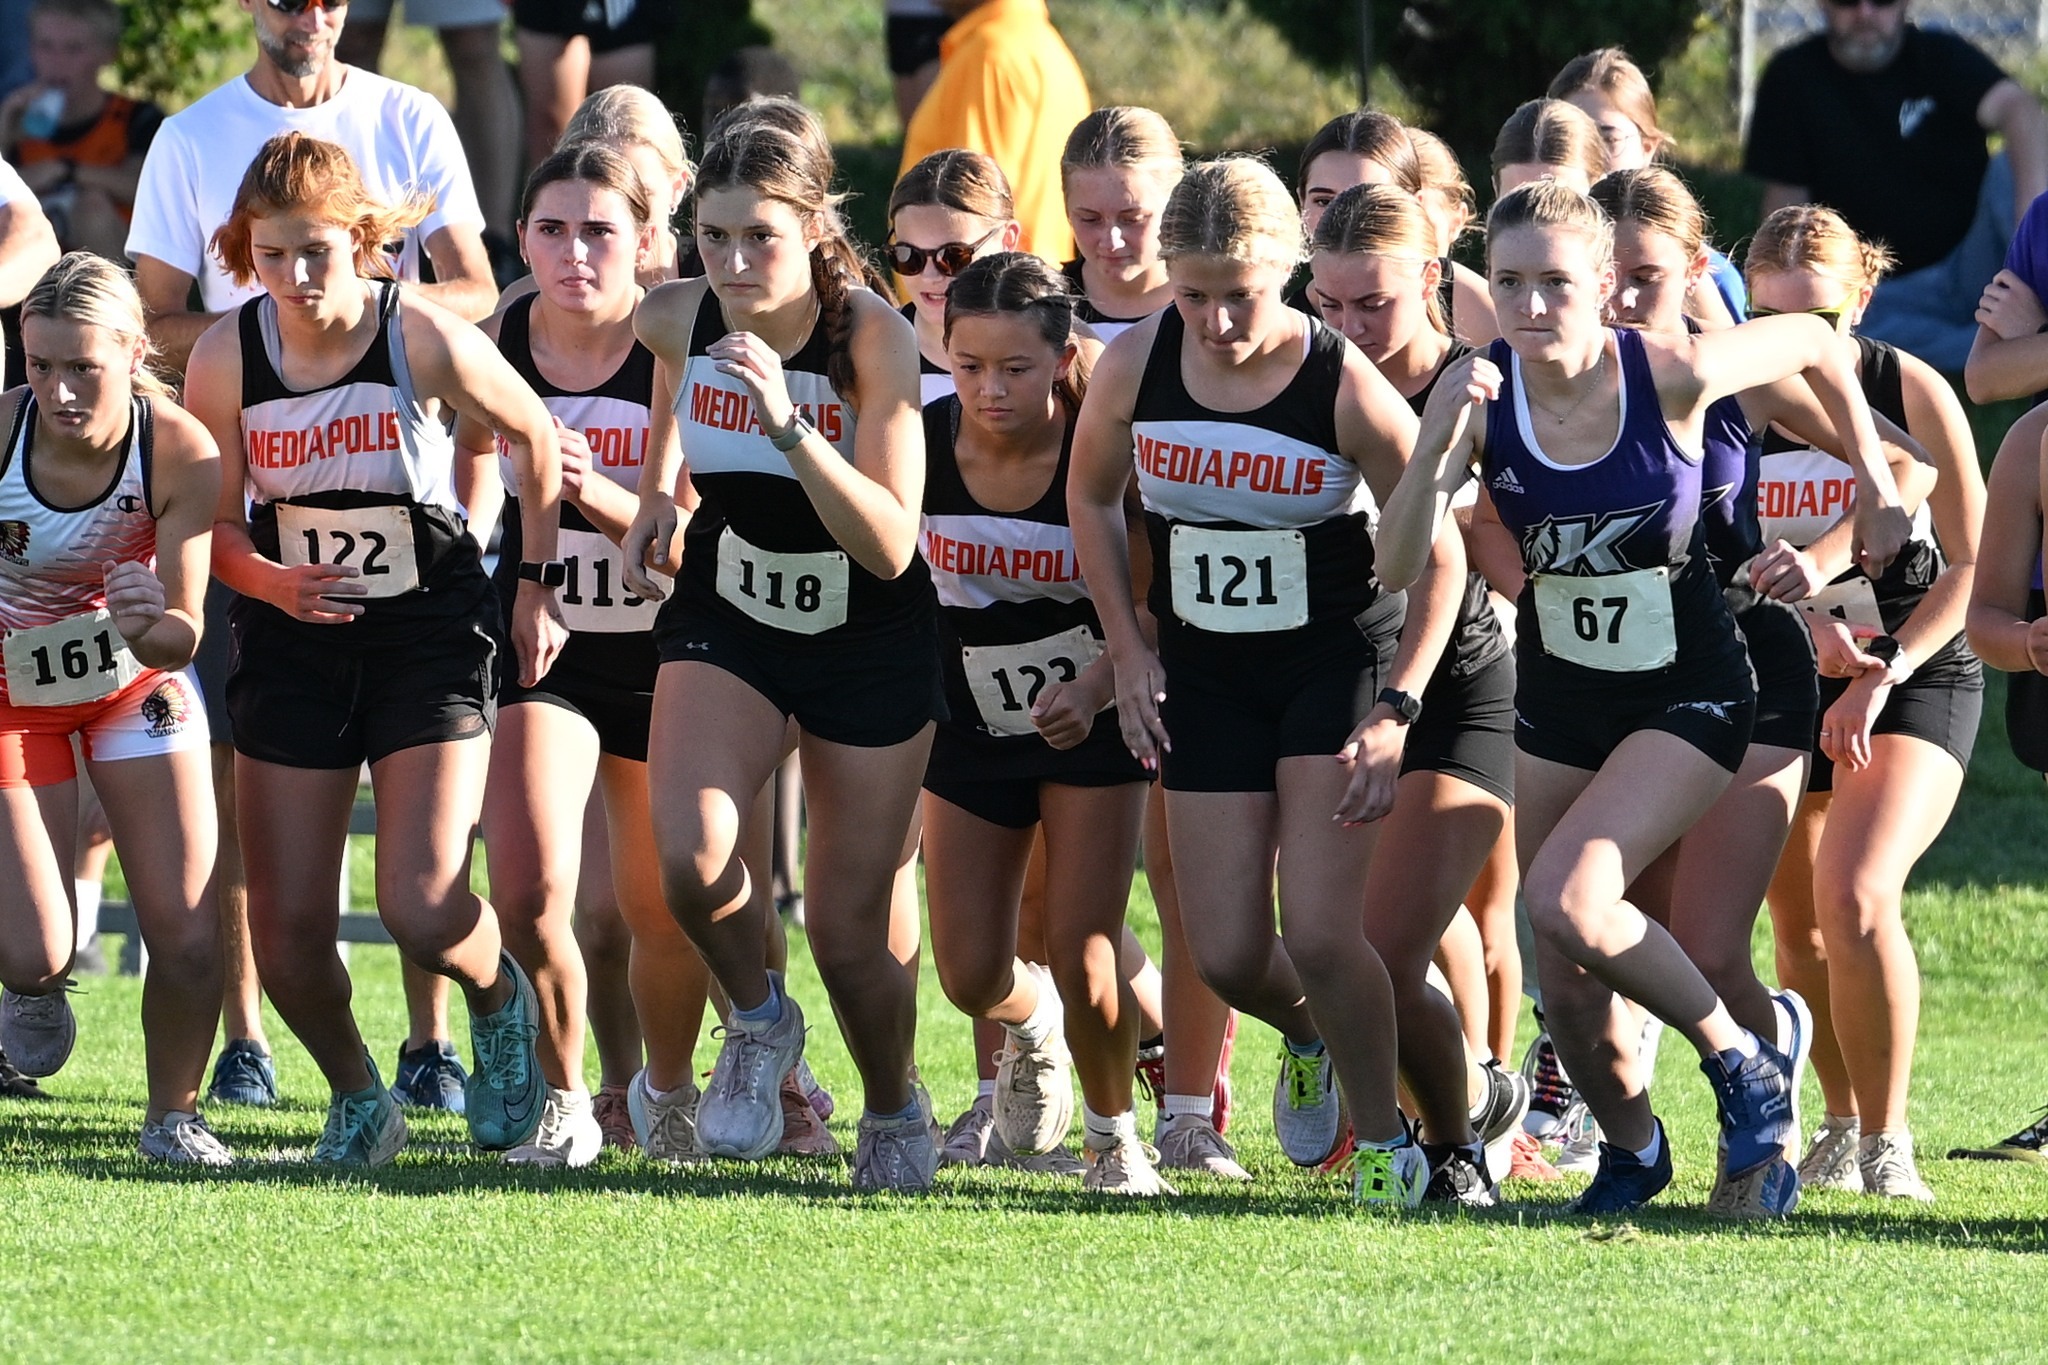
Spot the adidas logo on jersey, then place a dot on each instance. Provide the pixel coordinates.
(1506, 482)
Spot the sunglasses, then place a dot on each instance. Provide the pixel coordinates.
(292, 9)
(952, 258)
(1832, 316)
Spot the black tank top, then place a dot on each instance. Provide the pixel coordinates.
(1104, 326)
(756, 552)
(362, 468)
(1904, 583)
(1014, 612)
(611, 641)
(1272, 469)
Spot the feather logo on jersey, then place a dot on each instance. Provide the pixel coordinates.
(1583, 545)
(14, 541)
(166, 709)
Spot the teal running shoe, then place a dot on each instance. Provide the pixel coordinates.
(364, 1127)
(503, 1098)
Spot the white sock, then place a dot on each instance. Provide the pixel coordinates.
(172, 1116)
(1107, 1132)
(1648, 1155)
(1748, 1045)
(1044, 1018)
(647, 1089)
(88, 908)
(1190, 1106)
(984, 1090)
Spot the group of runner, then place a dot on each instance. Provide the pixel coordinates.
(1262, 538)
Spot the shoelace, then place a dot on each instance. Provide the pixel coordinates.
(1203, 1143)
(1892, 1164)
(502, 1052)
(674, 1130)
(41, 1009)
(195, 1140)
(1304, 1078)
(978, 1116)
(889, 1155)
(1027, 1065)
(750, 1060)
(345, 1122)
(1549, 1084)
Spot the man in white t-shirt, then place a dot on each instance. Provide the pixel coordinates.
(28, 246)
(401, 138)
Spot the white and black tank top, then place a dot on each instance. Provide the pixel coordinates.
(357, 472)
(1257, 523)
(52, 576)
(610, 630)
(756, 552)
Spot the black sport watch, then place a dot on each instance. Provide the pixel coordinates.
(1407, 708)
(549, 573)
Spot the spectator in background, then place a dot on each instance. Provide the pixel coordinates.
(27, 248)
(400, 137)
(1885, 122)
(79, 147)
(569, 48)
(1008, 87)
(486, 103)
(2009, 358)
(912, 29)
(748, 73)
(403, 142)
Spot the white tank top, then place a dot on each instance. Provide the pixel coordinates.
(51, 557)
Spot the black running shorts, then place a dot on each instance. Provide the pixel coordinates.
(1467, 729)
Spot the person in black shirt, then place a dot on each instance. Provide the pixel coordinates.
(1885, 122)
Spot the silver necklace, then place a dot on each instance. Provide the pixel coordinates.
(1599, 371)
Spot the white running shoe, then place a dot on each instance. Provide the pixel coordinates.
(1794, 1039)
(1123, 1167)
(568, 1134)
(665, 1128)
(1830, 1161)
(895, 1154)
(1579, 1140)
(1034, 1099)
(966, 1143)
(1499, 1117)
(1188, 1142)
(740, 1114)
(1886, 1160)
(183, 1140)
(37, 1031)
(1308, 1112)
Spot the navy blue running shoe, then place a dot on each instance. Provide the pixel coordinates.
(243, 1074)
(1757, 1106)
(430, 1076)
(1623, 1183)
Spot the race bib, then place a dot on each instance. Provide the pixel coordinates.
(593, 593)
(803, 594)
(1007, 679)
(79, 659)
(1853, 602)
(376, 541)
(1617, 623)
(1238, 582)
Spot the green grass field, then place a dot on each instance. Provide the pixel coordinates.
(446, 1256)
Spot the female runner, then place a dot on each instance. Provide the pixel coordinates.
(1611, 90)
(1900, 698)
(800, 595)
(1259, 436)
(107, 490)
(1026, 749)
(1366, 147)
(1375, 277)
(554, 851)
(1119, 165)
(366, 629)
(950, 209)
(1548, 140)
(1706, 888)
(1633, 697)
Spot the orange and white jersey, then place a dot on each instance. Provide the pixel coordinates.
(52, 558)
